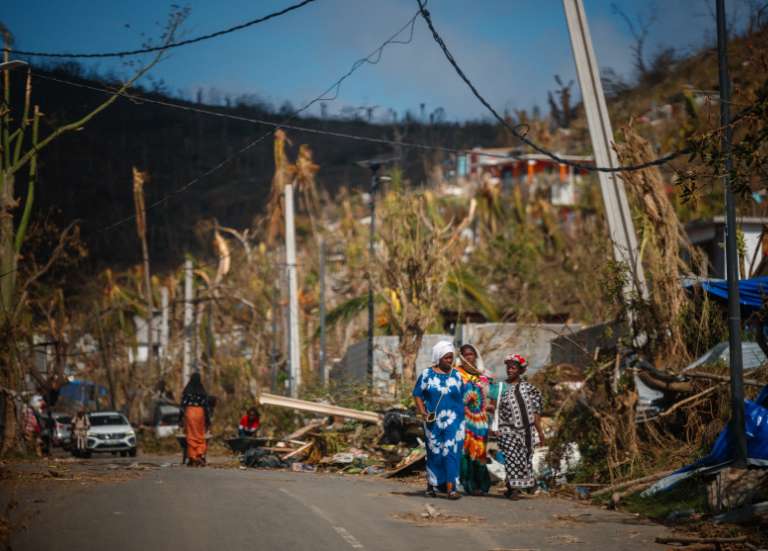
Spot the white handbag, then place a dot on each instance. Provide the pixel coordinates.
(495, 422)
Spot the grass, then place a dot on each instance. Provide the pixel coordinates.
(690, 494)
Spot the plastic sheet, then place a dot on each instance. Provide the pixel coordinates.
(756, 425)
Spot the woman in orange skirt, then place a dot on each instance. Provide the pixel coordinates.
(195, 415)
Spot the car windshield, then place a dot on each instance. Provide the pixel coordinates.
(104, 420)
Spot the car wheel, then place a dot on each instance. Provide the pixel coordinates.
(114, 453)
(86, 455)
(123, 454)
(132, 452)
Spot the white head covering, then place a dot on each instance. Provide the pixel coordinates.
(479, 363)
(441, 349)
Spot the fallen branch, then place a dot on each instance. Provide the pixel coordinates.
(724, 378)
(688, 400)
(695, 539)
(621, 485)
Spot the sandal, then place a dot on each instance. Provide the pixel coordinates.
(512, 494)
(453, 494)
(430, 492)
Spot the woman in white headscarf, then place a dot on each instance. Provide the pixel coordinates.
(439, 397)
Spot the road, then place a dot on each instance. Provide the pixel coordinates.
(169, 507)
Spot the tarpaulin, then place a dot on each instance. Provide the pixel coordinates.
(756, 425)
(753, 293)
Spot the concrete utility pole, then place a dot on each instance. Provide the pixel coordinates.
(164, 326)
(323, 377)
(189, 323)
(738, 435)
(371, 252)
(620, 225)
(294, 357)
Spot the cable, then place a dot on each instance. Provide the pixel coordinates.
(172, 44)
(262, 122)
(629, 168)
(321, 97)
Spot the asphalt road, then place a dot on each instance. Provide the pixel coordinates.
(177, 508)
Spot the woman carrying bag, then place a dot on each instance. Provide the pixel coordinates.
(439, 397)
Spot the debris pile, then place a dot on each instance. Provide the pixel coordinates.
(344, 441)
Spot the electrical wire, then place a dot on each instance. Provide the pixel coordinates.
(372, 58)
(536, 147)
(172, 45)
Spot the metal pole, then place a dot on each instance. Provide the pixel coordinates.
(164, 326)
(323, 378)
(374, 185)
(273, 351)
(293, 291)
(620, 225)
(739, 438)
(189, 321)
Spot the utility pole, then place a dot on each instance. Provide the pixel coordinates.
(294, 356)
(371, 251)
(189, 322)
(164, 326)
(620, 225)
(738, 435)
(373, 165)
(273, 351)
(323, 377)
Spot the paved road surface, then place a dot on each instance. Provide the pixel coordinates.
(177, 508)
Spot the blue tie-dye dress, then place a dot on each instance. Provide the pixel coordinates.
(445, 436)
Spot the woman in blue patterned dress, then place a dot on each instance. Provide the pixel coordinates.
(439, 397)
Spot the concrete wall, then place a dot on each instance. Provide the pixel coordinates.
(494, 340)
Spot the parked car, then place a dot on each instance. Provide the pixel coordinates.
(62, 430)
(110, 432)
(166, 420)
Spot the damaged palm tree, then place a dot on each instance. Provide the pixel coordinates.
(664, 246)
(139, 179)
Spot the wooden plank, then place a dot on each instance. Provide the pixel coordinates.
(301, 450)
(322, 409)
(306, 429)
(415, 459)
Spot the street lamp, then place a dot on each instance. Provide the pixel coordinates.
(373, 165)
(13, 64)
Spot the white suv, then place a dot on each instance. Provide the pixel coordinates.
(111, 432)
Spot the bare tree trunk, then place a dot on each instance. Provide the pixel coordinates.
(410, 343)
(105, 359)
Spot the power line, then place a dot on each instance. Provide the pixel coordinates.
(172, 45)
(369, 59)
(356, 137)
(446, 52)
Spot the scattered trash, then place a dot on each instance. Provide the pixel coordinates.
(303, 468)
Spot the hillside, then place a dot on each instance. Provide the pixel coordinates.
(87, 174)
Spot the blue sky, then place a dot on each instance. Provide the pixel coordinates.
(510, 48)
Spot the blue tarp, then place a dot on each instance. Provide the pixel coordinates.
(756, 424)
(83, 391)
(753, 293)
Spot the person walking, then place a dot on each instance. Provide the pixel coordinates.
(439, 397)
(520, 429)
(474, 477)
(80, 427)
(195, 417)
